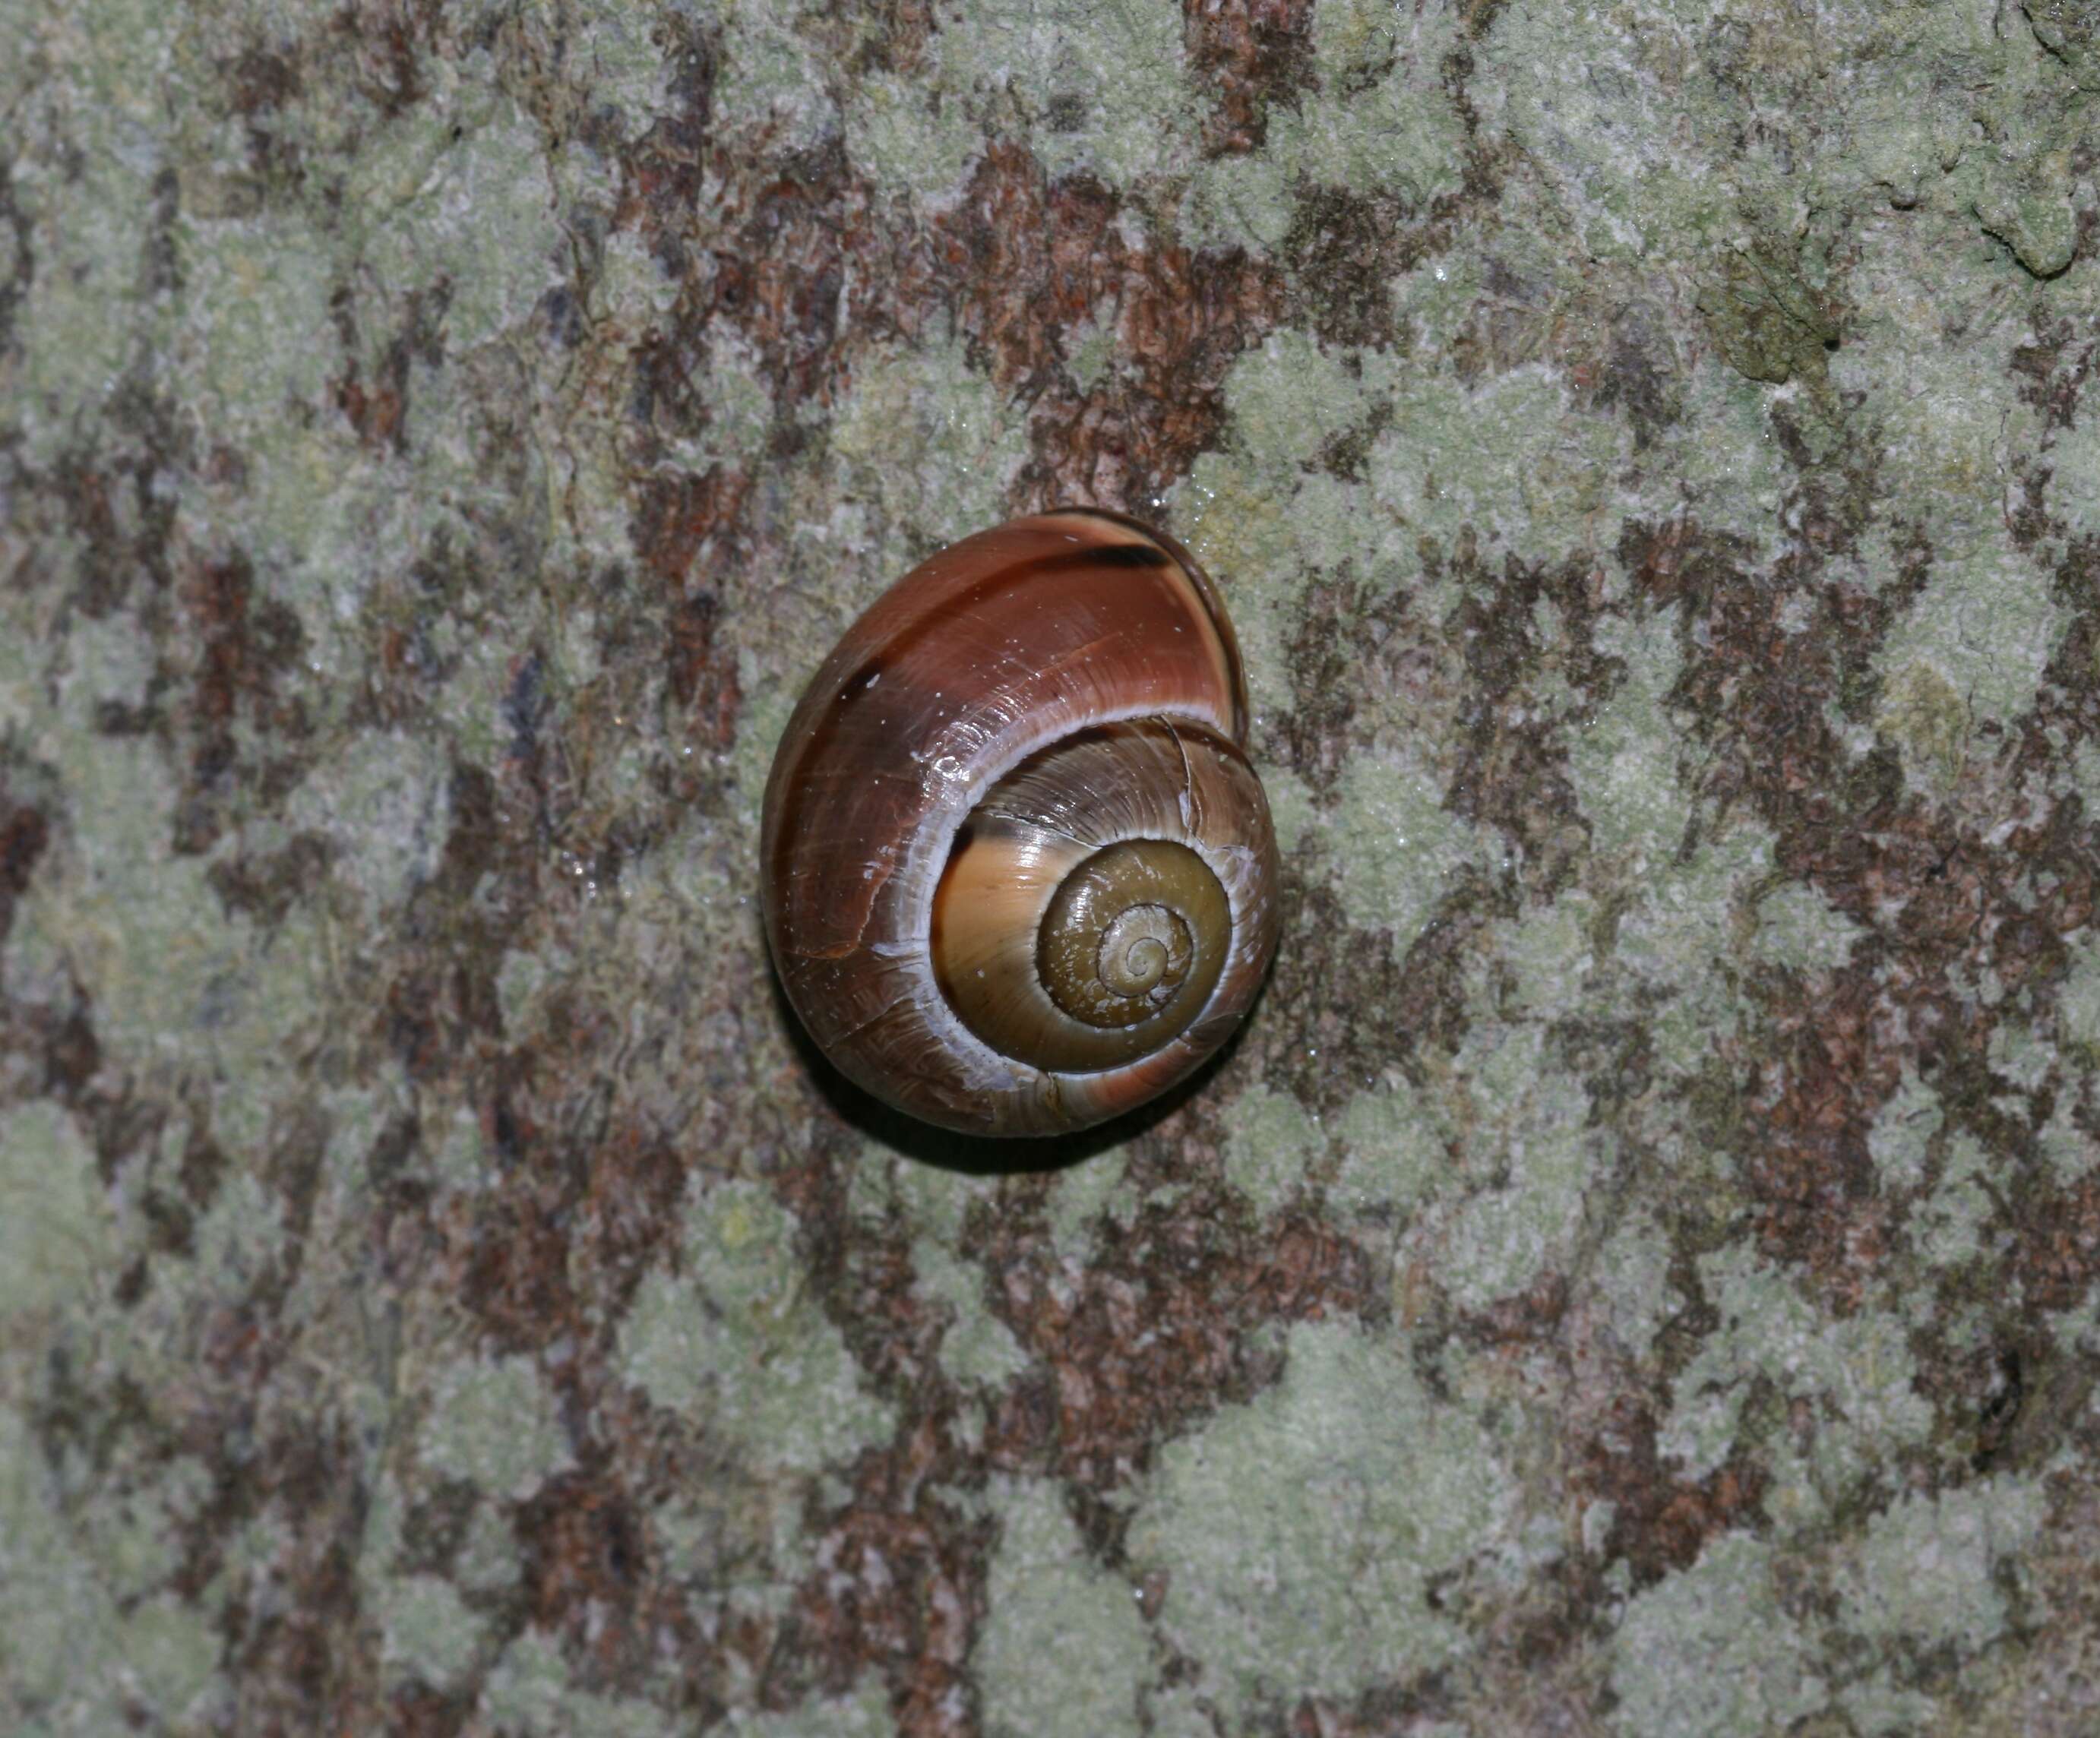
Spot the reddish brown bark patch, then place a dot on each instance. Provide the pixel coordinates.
(1157, 1329)
(1042, 259)
(898, 1588)
(23, 835)
(301, 1660)
(1769, 661)
(244, 644)
(1659, 1521)
(1249, 54)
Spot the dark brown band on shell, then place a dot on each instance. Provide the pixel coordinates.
(1145, 628)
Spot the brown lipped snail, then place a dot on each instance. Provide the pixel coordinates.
(1018, 875)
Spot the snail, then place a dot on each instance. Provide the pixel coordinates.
(1018, 876)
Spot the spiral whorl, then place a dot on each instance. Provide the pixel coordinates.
(1069, 931)
(1135, 934)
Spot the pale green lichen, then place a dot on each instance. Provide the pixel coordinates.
(933, 440)
(1859, 1372)
(322, 523)
(489, 1561)
(1179, 1711)
(175, 980)
(1509, 458)
(904, 137)
(78, 334)
(1392, 1147)
(426, 1631)
(862, 1714)
(57, 1231)
(2021, 1059)
(2032, 214)
(1292, 809)
(1398, 850)
(460, 1155)
(739, 402)
(1924, 714)
(143, 931)
(1568, 89)
(1091, 350)
(385, 805)
(1046, 1601)
(235, 1243)
(1950, 1223)
(1934, 1570)
(528, 1692)
(1798, 928)
(1243, 199)
(1631, 1273)
(1266, 518)
(767, 712)
(2071, 1153)
(1098, 88)
(617, 1717)
(1086, 1193)
(2022, 176)
(1903, 1131)
(1300, 1532)
(1288, 397)
(2078, 1000)
(1624, 760)
(495, 1423)
(773, 88)
(628, 69)
(524, 1690)
(1985, 628)
(351, 1119)
(742, 1539)
(1377, 123)
(1711, 1653)
(1381, 119)
(735, 1342)
(1945, 416)
(255, 339)
(1272, 1145)
(1878, 1707)
(1527, 1120)
(2074, 459)
(108, 663)
(1551, 956)
(84, 1634)
(134, 1537)
(977, 1347)
(1587, 93)
(1240, 526)
(1677, 936)
(465, 200)
(886, 1186)
(1721, 461)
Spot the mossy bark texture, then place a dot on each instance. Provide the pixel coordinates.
(1638, 1271)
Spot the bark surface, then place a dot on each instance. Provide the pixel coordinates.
(1638, 1272)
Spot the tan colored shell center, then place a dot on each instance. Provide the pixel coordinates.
(1130, 947)
(1123, 932)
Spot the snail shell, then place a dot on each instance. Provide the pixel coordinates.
(1018, 874)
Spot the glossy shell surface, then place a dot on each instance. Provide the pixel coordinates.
(1074, 668)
